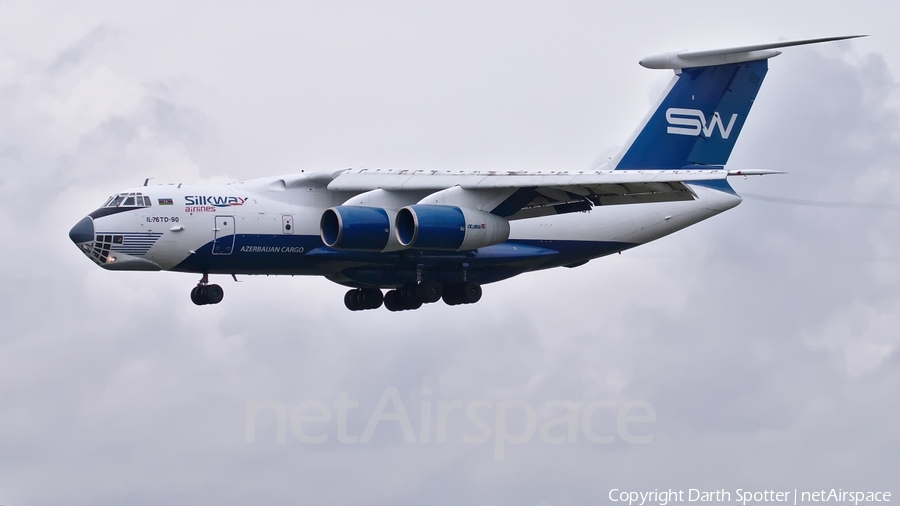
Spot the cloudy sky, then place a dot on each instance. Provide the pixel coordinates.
(764, 340)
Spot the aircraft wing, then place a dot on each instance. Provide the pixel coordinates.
(511, 194)
(396, 179)
(527, 194)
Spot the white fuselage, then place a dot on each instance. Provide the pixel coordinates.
(256, 227)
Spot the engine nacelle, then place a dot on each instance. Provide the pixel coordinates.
(359, 228)
(449, 228)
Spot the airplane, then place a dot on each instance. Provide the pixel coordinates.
(426, 235)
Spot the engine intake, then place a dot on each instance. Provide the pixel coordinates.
(449, 228)
(358, 228)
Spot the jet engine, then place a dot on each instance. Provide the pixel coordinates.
(449, 228)
(359, 228)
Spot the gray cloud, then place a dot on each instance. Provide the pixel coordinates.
(765, 338)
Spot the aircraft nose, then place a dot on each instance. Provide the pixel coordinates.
(83, 231)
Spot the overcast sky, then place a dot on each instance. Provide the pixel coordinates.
(765, 339)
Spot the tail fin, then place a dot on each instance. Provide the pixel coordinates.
(698, 119)
(700, 115)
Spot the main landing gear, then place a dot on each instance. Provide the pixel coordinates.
(204, 293)
(412, 296)
(363, 298)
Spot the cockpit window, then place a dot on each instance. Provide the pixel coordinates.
(114, 201)
(128, 200)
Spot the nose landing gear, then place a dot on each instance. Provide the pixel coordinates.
(204, 293)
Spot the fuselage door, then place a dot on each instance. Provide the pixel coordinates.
(223, 241)
(287, 224)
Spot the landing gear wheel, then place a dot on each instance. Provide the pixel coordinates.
(202, 295)
(393, 300)
(462, 293)
(214, 294)
(370, 298)
(413, 295)
(350, 300)
(450, 295)
(428, 292)
(408, 297)
(471, 293)
(195, 296)
(363, 298)
(402, 299)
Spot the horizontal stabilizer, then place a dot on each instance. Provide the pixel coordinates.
(692, 58)
(754, 172)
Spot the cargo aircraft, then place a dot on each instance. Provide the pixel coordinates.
(426, 235)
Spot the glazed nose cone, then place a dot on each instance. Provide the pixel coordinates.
(83, 231)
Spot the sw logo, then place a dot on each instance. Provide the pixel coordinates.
(693, 122)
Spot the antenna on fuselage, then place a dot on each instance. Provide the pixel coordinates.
(147, 181)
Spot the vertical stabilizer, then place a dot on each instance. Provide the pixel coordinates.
(700, 115)
(699, 118)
